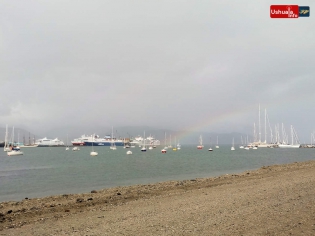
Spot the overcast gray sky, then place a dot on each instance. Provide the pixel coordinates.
(182, 65)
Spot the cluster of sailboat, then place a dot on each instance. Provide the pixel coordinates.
(9, 147)
(12, 148)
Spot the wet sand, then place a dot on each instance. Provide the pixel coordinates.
(273, 200)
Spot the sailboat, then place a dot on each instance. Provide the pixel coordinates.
(151, 144)
(233, 148)
(178, 145)
(29, 142)
(6, 140)
(210, 149)
(15, 151)
(294, 140)
(129, 152)
(67, 147)
(170, 146)
(217, 146)
(242, 146)
(112, 145)
(200, 146)
(93, 153)
(143, 149)
(164, 149)
(175, 149)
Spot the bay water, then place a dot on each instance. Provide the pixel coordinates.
(48, 171)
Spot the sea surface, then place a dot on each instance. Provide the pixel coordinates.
(48, 171)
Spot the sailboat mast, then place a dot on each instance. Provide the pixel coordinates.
(259, 125)
(265, 126)
(292, 135)
(165, 138)
(13, 137)
(6, 138)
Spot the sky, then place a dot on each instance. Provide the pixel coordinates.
(193, 66)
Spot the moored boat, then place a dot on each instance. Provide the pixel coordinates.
(200, 146)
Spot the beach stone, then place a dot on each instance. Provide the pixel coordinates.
(90, 199)
(80, 199)
(93, 191)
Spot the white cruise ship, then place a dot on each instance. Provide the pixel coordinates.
(46, 142)
(150, 141)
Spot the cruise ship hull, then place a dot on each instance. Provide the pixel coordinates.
(78, 143)
(47, 145)
(102, 144)
(289, 146)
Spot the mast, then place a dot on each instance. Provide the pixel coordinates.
(165, 139)
(13, 137)
(6, 138)
(259, 128)
(291, 135)
(265, 126)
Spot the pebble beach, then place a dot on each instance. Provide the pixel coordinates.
(272, 200)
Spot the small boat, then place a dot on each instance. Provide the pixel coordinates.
(233, 148)
(6, 147)
(200, 146)
(242, 146)
(93, 153)
(217, 146)
(129, 152)
(15, 152)
(112, 145)
(143, 149)
(76, 148)
(175, 147)
(67, 147)
(210, 149)
(164, 149)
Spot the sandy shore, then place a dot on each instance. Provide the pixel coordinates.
(273, 200)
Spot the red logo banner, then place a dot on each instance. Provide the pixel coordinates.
(284, 11)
